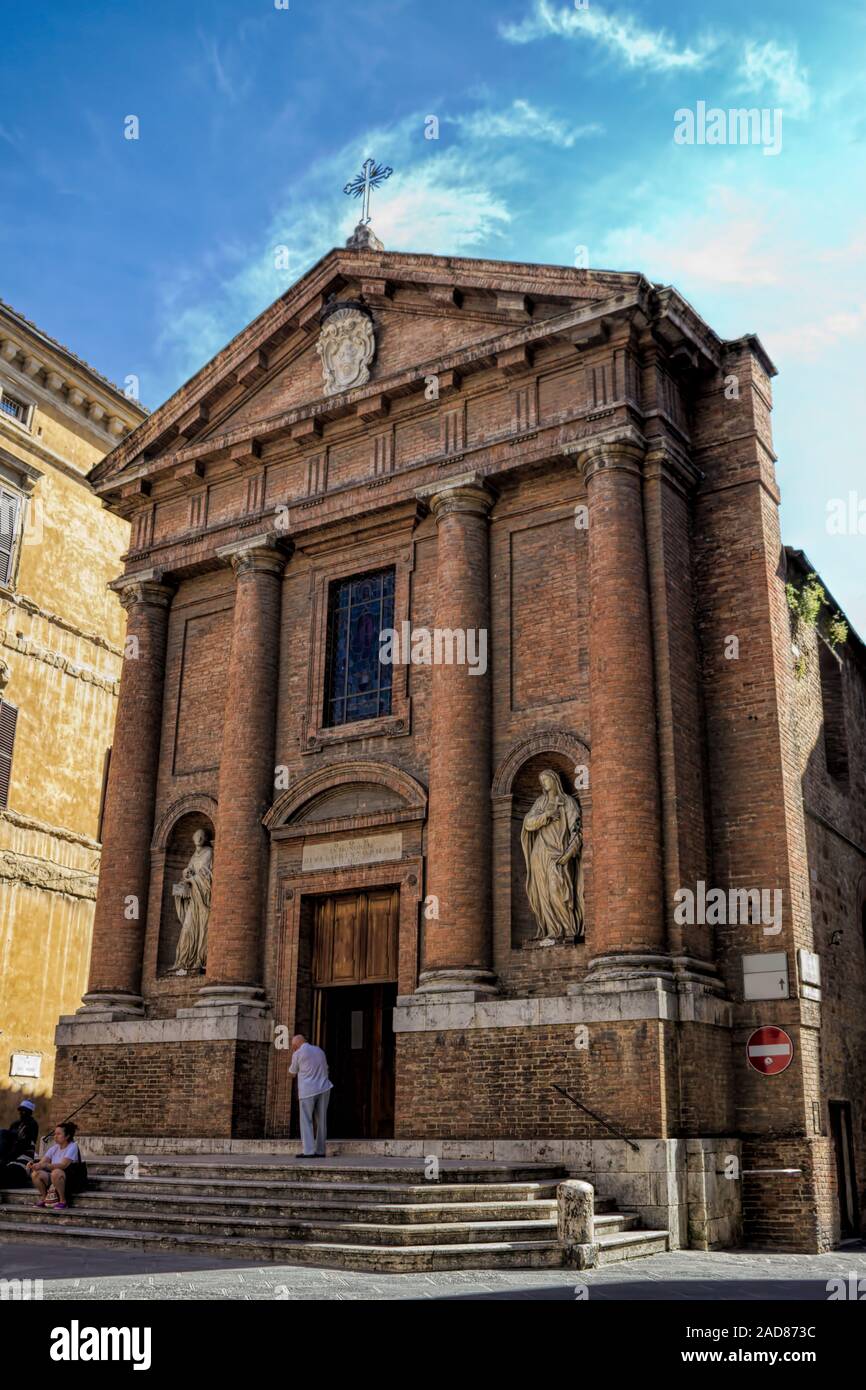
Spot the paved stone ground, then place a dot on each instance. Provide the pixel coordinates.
(71, 1274)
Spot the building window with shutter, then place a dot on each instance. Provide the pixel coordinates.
(8, 720)
(357, 684)
(10, 514)
(14, 408)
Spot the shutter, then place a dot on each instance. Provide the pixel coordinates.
(9, 504)
(8, 720)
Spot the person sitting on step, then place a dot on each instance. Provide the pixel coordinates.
(60, 1167)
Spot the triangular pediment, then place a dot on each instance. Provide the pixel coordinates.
(423, 309)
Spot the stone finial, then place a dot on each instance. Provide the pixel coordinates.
(364, 239)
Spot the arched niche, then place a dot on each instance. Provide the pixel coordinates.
(174, 841)
(515, 787)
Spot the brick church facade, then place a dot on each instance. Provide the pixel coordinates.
(572, 473)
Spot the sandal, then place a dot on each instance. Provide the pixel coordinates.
(43, 1203)
(60, 1206)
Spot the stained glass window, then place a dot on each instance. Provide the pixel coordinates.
(357, 684)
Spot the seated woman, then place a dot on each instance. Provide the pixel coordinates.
(60, 1167)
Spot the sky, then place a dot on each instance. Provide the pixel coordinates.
(559, 126)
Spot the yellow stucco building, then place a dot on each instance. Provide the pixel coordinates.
(61, 635)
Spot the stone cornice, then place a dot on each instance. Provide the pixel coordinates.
(59, 832)
(54, 378)
(27, 605)
(25, 646)
(357, 504)
(299, 308)
(570, 326)
(31, 444)
(33, 872)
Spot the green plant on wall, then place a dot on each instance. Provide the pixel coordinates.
(806, 604)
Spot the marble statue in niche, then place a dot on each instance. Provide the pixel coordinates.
(346, 346)
(552, 840)
(192, 903)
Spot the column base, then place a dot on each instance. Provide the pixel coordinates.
(110, 1006)
(464, 980)
(637, 968)
(217, 997)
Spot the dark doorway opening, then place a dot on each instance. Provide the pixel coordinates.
(846, 1179)
(354, 1025)
(347, 990)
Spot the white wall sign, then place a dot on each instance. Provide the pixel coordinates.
(25, 1064)
(809, 963)
(343, 854)
(765, 976)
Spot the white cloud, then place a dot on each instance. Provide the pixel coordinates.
(729, 244)
(442, 203)
(621, 35)
(523, 121)
(768, 66)
(811, 338)
(442, 206)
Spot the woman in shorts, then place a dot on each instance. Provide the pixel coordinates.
(60, 1167)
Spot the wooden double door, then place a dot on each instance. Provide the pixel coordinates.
(354, 993)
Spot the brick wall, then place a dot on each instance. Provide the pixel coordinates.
(207, 1089)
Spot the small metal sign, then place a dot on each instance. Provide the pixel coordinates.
(765, 976)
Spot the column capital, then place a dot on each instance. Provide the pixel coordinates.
(467, 493)
(145, 587)
(266, 553)
(623, 448)
(666, 459)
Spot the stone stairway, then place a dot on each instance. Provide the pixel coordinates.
(344, 1214)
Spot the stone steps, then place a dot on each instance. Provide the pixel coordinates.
(310, 1209)
(278, 1192)
(330, 1255)
(239, 1170)
(345, 1216)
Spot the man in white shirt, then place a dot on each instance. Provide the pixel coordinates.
(310, 1066)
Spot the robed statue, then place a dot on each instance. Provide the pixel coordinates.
(552, 841)
(192, 903)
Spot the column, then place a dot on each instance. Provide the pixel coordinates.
(246, 778)
(124, 871)
(457, 924)
(627, 855)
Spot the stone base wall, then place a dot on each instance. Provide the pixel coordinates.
(678, 1185)
(194, 1077)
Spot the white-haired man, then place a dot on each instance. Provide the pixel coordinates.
(310, 1066)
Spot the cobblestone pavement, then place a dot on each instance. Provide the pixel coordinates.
(71, 1274)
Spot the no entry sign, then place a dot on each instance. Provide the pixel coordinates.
(769, 1050)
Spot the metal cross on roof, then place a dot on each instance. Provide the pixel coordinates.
(370, 177)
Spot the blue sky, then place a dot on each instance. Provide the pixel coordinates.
(556, 130)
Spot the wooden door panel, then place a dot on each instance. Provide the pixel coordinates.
(381, 952)
(356, 937)
(323, 942)
(348, 931)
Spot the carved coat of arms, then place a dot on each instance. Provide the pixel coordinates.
(346, 346)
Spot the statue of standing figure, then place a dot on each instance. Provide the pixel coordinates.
(552, 840)
(192, 903)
